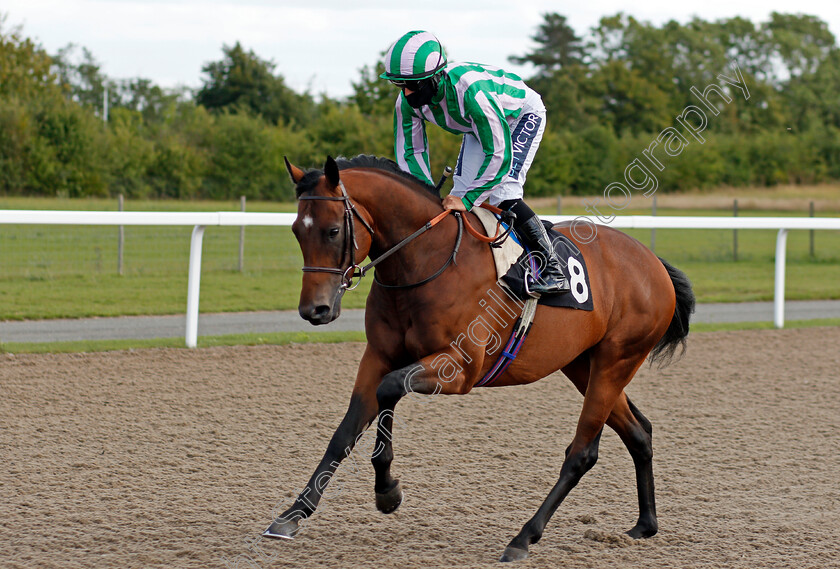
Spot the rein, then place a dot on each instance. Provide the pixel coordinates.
(355, 270)
(497, 240)
(423, 229)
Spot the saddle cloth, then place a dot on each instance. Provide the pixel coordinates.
(511, 261)
(506, 255)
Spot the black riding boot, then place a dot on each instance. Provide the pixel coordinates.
(552, 280)
(532, 232)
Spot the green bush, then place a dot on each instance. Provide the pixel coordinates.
(554, 169)
(698, 166)
(240, 159)
(17, 146)
(595, 151)
(131, 154)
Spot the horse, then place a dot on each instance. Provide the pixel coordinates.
(425, 297)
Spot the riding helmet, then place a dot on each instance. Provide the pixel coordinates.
(416, 55)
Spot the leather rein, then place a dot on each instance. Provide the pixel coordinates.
(351, 245)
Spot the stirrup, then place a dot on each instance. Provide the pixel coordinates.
(560, 289)
(555, 286)
(528, 291)
(561, 285)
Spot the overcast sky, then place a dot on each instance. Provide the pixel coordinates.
(322, 45)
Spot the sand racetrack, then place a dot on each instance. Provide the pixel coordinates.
(173, 458)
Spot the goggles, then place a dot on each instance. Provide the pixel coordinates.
(412, 85)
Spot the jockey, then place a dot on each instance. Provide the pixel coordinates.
(502, 122)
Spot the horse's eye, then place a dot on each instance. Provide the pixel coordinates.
(333, 232)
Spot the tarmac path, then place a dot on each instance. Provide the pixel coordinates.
(142, 327)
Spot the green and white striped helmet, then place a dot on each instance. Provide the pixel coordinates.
(416, 55)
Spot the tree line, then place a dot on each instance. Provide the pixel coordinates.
(609, 94)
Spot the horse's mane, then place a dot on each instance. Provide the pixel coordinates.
(310, 179)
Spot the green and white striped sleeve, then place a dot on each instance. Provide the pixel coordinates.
(493, 133)
(411, 147)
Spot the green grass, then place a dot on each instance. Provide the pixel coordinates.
(274, 338)
(707, 257)
(71, 271)
(111, 204)
(703, 327)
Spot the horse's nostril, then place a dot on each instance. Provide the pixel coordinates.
(321, 311)
(315, 314)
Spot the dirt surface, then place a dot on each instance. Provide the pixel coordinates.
(174, 458)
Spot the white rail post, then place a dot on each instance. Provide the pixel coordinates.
(194, 285)
(779, 298)
(121, 242)
(242, 237)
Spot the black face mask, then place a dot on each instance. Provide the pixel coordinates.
(423, 95)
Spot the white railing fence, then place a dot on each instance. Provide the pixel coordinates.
(782, 224)
(200, 220)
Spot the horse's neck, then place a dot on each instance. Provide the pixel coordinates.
(397, 211)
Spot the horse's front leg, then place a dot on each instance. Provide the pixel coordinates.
(388, 490)
(439, 373)
(360, 414)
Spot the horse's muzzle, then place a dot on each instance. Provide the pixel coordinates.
(319, 314)
(320, 309)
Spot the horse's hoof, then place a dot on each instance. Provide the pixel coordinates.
(390, 500)
(642, 530)
(513, 554)
(282, 529)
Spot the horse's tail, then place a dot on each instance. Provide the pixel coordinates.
(677, 331)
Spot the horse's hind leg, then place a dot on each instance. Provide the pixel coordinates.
(635, 432)
(609, 373)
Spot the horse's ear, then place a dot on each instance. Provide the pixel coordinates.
(295, 172)
(331, 171)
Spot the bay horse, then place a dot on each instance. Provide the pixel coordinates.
(421, 307)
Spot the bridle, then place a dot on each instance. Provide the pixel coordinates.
(350, 245)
